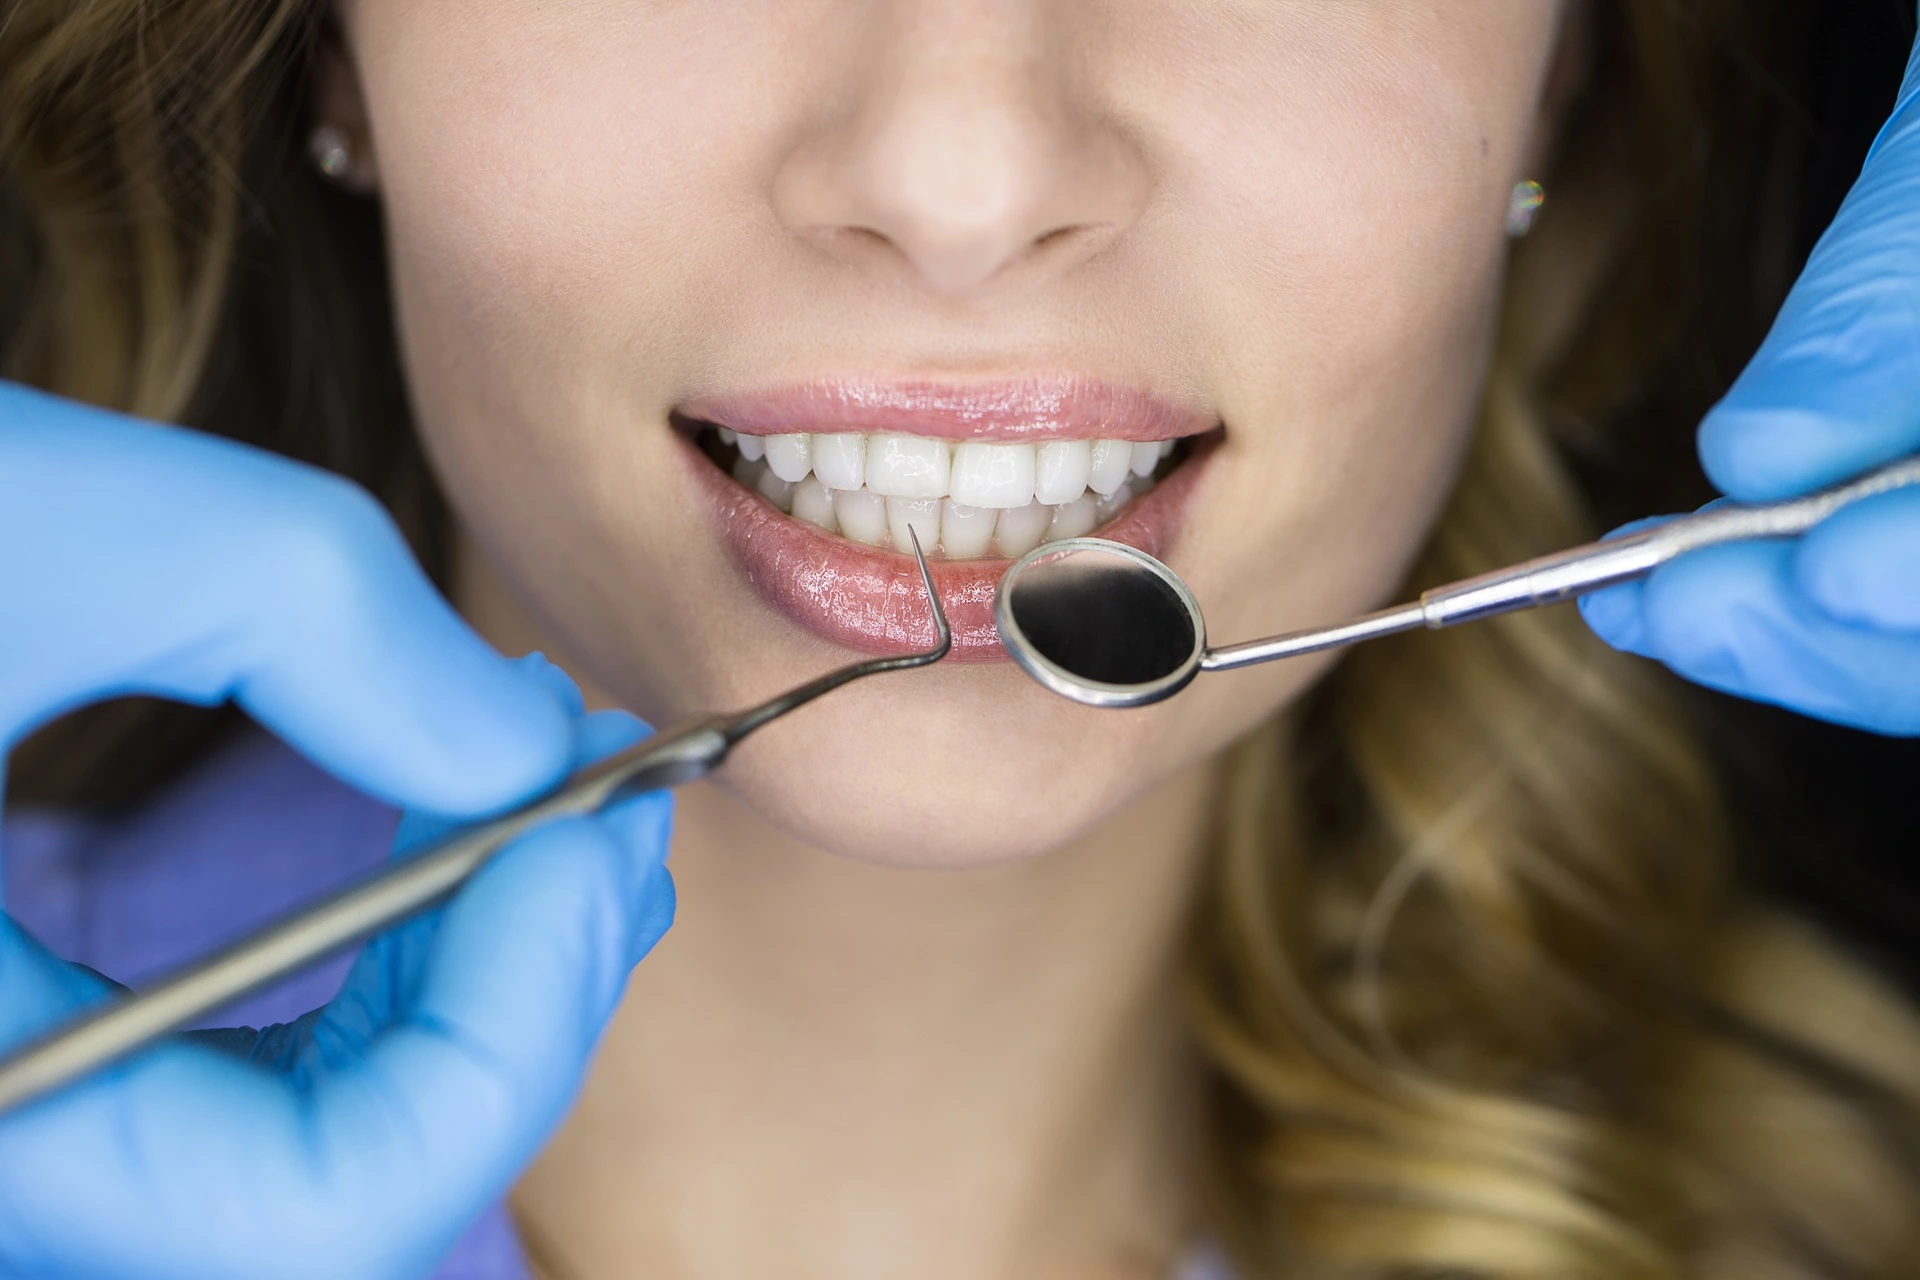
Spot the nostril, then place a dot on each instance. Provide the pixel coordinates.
(850, 244)
(952, 258)
(957, 177)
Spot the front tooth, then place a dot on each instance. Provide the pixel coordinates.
(1018, 531)
(908, 466)
(1061, 470)
(790, 456)
(840, 460)
(1075, 519)
(1146, 456)
(965, 532)
(922, 515)
(862, 515)
(993, 475)
(1107, 467)
(753, 448)
(813, 502)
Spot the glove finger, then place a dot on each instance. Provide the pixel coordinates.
(38, 989)
(526, 966)
(385, 976)
(151, 559)
(420, 827)
(1732, 618)
(388, 977)
(1835, 389)
(100, 1178)
(1618, 616)
(545, 671)
(599, 734)
(1615, 614)
(1862, 566)
(93, 1177)
(403, 1144)
(185, 1164)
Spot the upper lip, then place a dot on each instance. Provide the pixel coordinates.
(1057, 407)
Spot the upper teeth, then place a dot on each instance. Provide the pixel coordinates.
(972, 473)
(873, 488)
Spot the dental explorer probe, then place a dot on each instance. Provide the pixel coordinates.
(1110, 626)
(683, 753)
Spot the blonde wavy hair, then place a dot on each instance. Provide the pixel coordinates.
(1478, 987)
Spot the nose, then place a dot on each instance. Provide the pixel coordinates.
(955, 144)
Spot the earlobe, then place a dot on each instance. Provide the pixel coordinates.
(340, 144)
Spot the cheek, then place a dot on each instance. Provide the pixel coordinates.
(550, 184)
(1345, 256)
(952, 768)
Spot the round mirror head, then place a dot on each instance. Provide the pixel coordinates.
(1100, 623)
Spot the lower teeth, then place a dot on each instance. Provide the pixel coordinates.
(959, 532)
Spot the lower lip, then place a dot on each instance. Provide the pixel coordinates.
(872, 600)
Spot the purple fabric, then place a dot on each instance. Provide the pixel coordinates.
(253, 831)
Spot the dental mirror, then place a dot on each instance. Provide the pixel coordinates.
(1100, 622)
(1110, 626)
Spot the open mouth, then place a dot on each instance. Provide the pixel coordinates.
(820, 519)
(965, 501)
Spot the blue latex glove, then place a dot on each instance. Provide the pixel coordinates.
(1830, 625)
(361, 1140)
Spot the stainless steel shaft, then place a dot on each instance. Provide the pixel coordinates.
(118, 1027)
(1567, 575)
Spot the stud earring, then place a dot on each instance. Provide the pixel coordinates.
(331, 151)
(1523, 206)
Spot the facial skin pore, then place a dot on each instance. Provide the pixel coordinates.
(1285, 216)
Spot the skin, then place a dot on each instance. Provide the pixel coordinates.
(915, 1017)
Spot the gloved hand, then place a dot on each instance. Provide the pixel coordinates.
(1830, 625)
(361, 1140)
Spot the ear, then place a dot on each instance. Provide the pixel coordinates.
(338, 103)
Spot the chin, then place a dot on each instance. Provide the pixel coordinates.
(966, 766)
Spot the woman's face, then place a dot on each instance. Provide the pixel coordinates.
(992, 248)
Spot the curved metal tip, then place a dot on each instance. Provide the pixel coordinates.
(747, 721)
(940, 627)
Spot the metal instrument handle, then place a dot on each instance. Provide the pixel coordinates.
(681, 754)
(1565, 575)
(349, 916)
